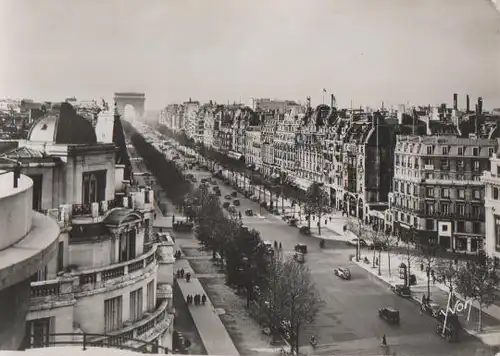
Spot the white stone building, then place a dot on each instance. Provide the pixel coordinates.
(491, 180)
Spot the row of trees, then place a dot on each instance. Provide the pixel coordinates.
(168, 175)
(282, 288)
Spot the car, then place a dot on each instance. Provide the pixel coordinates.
(301, 248)
(299, 257)
(234, 194)
(402, 290)
(249, 212)
(228, 197)
(226, 205)
(204, 180)
(343, 273)
(236, 202)
(432, 309)
(183, 226)
(213, 182)
(354, 242)
(232, 210)
(304, 230)
(254, 198)
(390, 315)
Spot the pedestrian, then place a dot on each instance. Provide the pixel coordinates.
(330, 219)
(197, 299)
(384, 341)
(178, 273)
(188, 299)
(326, 221)
(275, 245)
(188, 277)
(281, 247)
(421, 267)
(433, 277)
(204, 299)
(239, 214)
(424, 299)
(182, 272)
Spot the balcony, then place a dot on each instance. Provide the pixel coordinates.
(62, 291)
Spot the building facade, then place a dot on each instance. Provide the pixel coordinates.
(253, 147)
(110, 275)
(491, 180)
(190, 118)
(438, 192)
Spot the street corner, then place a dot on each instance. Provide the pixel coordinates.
(373, 273)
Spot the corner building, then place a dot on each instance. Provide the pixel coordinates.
(438, 192)
(110, 275)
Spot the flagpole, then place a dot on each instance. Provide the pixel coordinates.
(323, 92)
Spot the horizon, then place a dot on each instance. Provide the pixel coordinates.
(366, 51)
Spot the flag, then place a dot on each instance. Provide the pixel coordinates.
(324, 90)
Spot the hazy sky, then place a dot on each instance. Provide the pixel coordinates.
(421, 51)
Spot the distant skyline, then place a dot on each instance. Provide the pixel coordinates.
(367, 51)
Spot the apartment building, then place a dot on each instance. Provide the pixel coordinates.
(223, 129)
(109, 275)
(253, 147)
(438, 192)
(209, 125)
(29, 240)
(273, 105)
(268, 132)
(285, 147)
(171, 116)
(491, 180)
(190, 118)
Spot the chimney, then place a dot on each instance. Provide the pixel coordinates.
(467, 104)
(332, 100)
(479, 105)
(455, 101)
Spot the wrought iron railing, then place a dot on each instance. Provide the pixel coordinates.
(87, 340)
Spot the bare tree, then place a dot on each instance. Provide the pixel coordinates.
(317, 203)
(358, 228)
(478, 280)
(446, 271)
(295, 298)
(427, 250)
(388, 242)
(409, 256)
(375, 236)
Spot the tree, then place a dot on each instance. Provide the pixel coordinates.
(294, 299)
(316, 203)
(409, 254)
(478, 280)
(389, 242)
(357, 227)
(446, 272)
(375, 236)
(427, 250)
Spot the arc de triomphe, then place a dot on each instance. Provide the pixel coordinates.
(137, 100)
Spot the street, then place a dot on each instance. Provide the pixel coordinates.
(348, 322)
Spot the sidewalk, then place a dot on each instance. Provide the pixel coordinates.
(439, 294)
(212, 332)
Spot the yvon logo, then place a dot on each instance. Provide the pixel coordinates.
(459, 307)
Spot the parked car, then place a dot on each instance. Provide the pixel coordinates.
(293, 222)
(236, 202)
(226, 205)
(234, 194)
(204, 180)
(301, 248)
(402, 290)
(183, 226)
(228, 197)
(299, 257)
(432, 309)
(249, 212)
(232, 210)
(305, 230)
(390, 315)
(254, 198)
(343, 273)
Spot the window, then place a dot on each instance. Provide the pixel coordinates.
(415, 191)
(136, 304)
(461, 194)
(408, 189)
(429, 192)
(38, 331)
(396, 186)
(497, 233)
(37, 190)
(445, 150)
(445, 208)
(112, 314)
(460, 209)
(41, 275)
(444, 228)
(461, 151)
(495, 193)
(460, 164)
(445, 193)
(415, 222)
(93, 187)
(60, 256)
(429, 208)
(460, 226)
(475, 151)
(476, 166)
(476, 228)
(146, 230)
(444, 164)
(127, 245)
(491, 151)
(429, 150)
(476, 211)
(151, 296)
(429, 224)
(498, 171)
(476, 194)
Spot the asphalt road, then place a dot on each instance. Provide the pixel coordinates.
(348, 322)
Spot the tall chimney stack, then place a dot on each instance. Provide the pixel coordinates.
(479, 106)
(467, 104)
(332, 100)
(455, 101)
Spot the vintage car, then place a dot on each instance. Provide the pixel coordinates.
(302, 248)
(343, 273)
(432, 309)
(304, 230)
(227, 197)
(402, 290)
(232, 210)
(249, 212)
(236, 202)
(234, 194)
(183, 226)
(226, 205)
(299, 257)
(293, 222)
(390, 315)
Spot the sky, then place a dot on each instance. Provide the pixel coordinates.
(364, 51)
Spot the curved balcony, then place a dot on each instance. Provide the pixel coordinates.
(62, 291)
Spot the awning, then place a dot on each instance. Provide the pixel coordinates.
(235, 155)
(302, 183)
